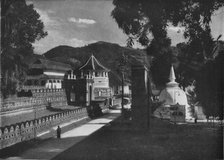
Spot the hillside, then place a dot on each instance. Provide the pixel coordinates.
(107, 53)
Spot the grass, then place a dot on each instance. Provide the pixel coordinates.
(164, 141)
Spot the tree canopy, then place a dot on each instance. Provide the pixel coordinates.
(147, 22)
(20, 27)
(140, 18)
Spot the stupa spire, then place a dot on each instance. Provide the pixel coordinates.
(172, 76)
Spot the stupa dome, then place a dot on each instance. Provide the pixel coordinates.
(172, 94)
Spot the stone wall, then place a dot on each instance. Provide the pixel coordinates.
(23, 131)
(40, 98)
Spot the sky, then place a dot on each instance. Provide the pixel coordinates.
(81, 22)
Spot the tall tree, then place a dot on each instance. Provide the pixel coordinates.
(146, 22)
(210, 86)
(140, 18)
(20, 27)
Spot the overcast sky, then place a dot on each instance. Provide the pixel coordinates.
(80, 22)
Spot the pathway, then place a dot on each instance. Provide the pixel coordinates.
(49, 148)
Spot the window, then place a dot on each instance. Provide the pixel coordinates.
(29, 82)
(42, 83)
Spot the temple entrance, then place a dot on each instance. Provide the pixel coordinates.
(90, 94)
(72, 95)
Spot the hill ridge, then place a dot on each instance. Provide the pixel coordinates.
(109, 54)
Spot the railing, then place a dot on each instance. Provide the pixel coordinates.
(23, 131)
(32, 87)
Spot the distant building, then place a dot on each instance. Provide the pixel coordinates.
(43, 88)
(117, 90)
(44, 73)
(87, 83)
(116, 85)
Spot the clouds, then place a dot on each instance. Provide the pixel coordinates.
(176, 34)
(81, 21)
(217, 28)
(60, 31)
(76, 23)
(48, 20)
(175, 29)
(56, 38)
(79, 43)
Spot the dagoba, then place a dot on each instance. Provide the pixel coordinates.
(170, 96)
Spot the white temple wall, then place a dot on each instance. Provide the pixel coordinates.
(49, 73)
(101, 82)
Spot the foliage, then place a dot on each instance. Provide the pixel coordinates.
(108, 54)
(20, 27)
(210, 86)
(13, 72)
(139, 18)
(147, 22)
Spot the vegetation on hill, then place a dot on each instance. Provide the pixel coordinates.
(108, 54)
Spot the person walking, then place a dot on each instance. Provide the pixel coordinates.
(58, 132)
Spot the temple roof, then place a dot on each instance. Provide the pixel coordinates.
(172, 76)
(50, 65)
(93, 64)
(43, 76)
(172, 79)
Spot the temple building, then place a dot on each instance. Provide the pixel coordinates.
(45, 73)
(88, 83)
(173, 99)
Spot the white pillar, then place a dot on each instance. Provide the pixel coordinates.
(56, 84)
(47, 84)
(81, 74)
(53, 84)
(72, 75)
(59, 84)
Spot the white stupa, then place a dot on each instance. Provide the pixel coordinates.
(172, 95)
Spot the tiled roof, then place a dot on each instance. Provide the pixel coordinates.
(93, 64)
(50, 65)
(43, 76)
